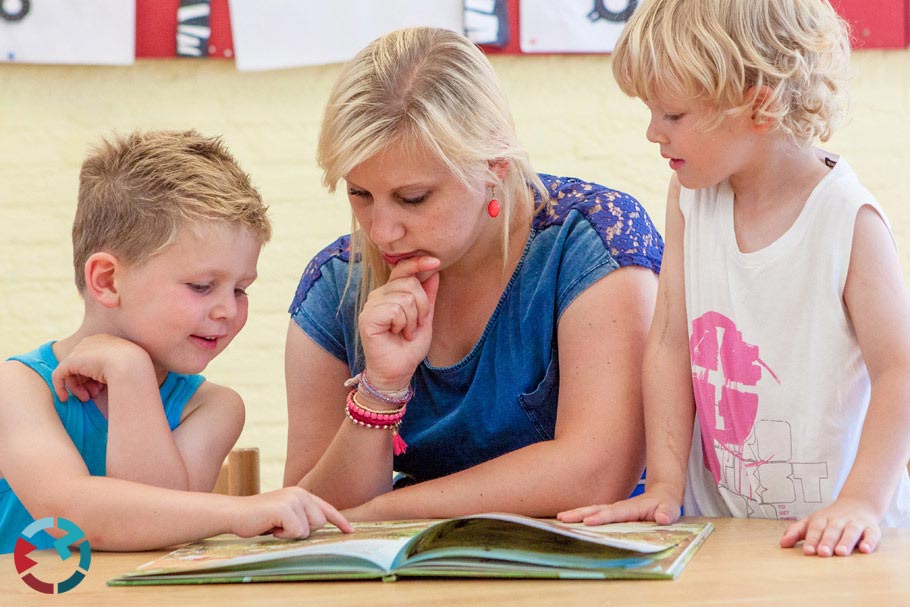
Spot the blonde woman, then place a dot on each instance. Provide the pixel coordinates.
(492, 320)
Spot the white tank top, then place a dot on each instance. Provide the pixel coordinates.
(780, 385)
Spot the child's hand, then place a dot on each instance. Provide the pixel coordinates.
(652, 505)
(287, 513)
(396, 323)
(88, 368)
(836, 530)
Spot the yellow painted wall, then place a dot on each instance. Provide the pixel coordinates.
(570, 115)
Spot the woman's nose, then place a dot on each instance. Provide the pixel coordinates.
(386, 225)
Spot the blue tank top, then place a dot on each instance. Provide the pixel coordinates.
(87, 428)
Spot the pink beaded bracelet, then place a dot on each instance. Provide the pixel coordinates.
(382, 420)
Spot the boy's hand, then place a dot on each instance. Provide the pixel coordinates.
(88, 368)
(287, 513)
(396, 323)
(836, 530)
(653, 505)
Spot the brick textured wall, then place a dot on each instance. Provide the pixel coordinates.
(569, 113)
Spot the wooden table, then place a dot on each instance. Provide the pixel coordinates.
(739, 564)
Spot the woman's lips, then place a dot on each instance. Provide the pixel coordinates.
(395, 259)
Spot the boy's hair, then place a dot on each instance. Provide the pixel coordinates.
(136, 192)
(715, 50)
(430, 88)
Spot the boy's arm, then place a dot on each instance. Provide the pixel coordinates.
(877, 304)
(49, 476)
(140, 445)
(669, 406)
(211, 424)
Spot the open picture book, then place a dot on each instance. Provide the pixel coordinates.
(485, 545)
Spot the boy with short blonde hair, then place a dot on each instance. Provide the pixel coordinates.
(112, 427)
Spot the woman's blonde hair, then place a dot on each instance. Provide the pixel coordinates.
(716, 50)
(430, 88)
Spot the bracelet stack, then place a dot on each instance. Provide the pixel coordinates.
(382, 420)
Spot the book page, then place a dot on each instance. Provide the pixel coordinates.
(639, 537)
(375, 544)
(525, 544)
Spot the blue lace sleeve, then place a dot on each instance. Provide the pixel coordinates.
(317, 307)
(341, 249)
(622, 223)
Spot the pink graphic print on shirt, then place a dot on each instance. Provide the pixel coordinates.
(721, 358)
(750, 460)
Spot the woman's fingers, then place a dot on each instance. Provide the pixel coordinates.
(402, 305)
(413, 266)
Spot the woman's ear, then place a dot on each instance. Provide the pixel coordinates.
(500, 168)
(100, 270)
(760, 96)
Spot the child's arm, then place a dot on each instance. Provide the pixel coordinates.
(211, 424)
(876, 301)
(48, 475)
(667, 390)
(141, 447)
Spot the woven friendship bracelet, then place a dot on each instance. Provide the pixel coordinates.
(397, 397)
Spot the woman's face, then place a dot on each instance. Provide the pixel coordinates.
(408, 204)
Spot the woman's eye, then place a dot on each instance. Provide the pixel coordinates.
(414, 199)
(358, 193)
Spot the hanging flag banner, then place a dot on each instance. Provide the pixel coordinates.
(573, 26)
(64, 31)
(193, 28)
(292, 33)
(183, 28)
(487, 22)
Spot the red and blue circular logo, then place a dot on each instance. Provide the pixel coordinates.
(66, 546)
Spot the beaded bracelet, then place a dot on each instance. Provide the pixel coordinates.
(381, 420)
(397, 397)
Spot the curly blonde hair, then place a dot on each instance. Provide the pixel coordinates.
(715, 51)
(136, 192)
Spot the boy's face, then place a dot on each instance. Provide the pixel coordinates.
(702, 156)
(186, 304)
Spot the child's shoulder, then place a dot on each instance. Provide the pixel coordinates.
(219, 403)
(22, 386)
